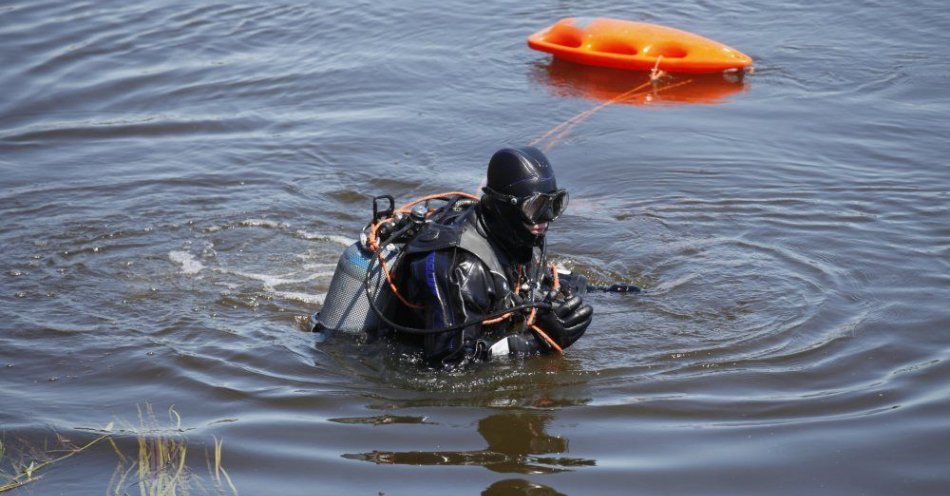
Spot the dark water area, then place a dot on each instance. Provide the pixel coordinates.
(177, 180)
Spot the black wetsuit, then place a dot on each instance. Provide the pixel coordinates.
(457, 273)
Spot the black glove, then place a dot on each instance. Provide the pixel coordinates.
(566, 321)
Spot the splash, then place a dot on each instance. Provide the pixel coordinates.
(189, 264)
(270, 284)
(334, 238)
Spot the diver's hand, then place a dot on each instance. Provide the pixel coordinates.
(567, 320)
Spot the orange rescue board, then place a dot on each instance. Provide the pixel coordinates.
(636, 46)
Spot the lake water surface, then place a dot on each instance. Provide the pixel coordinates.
(178, 179)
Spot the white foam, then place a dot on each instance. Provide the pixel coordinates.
(272, 281)
(667, 286)
(309, 299)
(273, 224)
(189, 264)
(318, 266)
(335, 238)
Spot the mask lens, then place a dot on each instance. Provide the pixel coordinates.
(559, 203)
(533, 206)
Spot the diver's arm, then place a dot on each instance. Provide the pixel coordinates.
(480, 296)
(456, 287)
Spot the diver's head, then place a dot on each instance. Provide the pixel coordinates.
(521, 197)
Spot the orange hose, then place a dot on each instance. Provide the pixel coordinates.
(540, 332)
(547, 338)
(556, 284)
(392, 285)
(497, 320)
(373, 243)
(405, 208)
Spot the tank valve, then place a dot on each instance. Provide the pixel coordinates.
(418, 214)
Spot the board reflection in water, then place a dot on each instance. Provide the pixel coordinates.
(567, 79)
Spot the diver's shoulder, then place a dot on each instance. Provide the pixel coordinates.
(445, 231)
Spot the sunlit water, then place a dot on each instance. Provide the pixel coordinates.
(178, 181)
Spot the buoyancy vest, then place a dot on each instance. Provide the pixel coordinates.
(459, 229)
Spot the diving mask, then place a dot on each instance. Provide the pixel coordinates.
(537, 207)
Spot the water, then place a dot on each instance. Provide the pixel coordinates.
(178, 181)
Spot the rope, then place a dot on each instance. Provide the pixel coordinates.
(560, 131)
(582, 116)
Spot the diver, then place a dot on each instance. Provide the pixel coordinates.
(481, 257)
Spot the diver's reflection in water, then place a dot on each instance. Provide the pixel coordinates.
(516, 443)
(509, 487)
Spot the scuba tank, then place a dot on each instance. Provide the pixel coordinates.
(346, 306)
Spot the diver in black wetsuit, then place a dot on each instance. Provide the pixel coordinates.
(485, 256)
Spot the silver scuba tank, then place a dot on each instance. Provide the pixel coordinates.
(346, 307)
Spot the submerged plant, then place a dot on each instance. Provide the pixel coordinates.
(22, 473)
(160, 467)
(219, 470)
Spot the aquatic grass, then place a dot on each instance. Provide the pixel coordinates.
(159, 467)
(219, 470)
(161, 460)
(22, 474)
